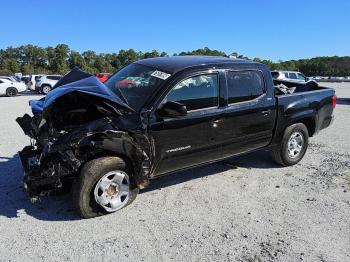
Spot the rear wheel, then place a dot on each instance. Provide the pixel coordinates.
(293, 145)
(104, 186)
(11, 91)
(46, 89)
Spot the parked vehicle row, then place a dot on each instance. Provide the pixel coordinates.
(294, 76)
(39, 82)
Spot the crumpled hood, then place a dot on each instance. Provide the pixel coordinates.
(76, 81)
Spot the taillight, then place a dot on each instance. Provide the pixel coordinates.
(334, 101)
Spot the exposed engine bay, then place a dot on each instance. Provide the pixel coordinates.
(73, 124)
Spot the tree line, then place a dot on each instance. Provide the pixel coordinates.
(30, 59)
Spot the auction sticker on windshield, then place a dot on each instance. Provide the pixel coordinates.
(160, 74)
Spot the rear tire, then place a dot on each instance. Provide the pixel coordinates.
(84, 188)
(11, 91)
(293, 145)
(46, 89)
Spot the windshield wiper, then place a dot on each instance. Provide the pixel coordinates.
(122, 96)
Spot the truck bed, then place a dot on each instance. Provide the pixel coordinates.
(313, 103)
(287, 87)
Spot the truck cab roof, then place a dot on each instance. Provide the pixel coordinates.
(175, 64)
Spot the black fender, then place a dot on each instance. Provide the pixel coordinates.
(121, 143)
(103, 135)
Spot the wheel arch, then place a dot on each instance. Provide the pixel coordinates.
(110, 153)
(309, 120)
(121, 145)
(310, 123)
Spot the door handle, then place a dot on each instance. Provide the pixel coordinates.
(216, 122)
(265, 112)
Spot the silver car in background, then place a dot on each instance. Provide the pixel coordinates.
(291, 76)
(45, 83)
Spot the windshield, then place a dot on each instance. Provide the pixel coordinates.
(135, 84)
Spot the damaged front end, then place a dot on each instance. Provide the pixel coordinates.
(78, 121)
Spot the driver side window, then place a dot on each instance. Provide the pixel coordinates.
(197, 92)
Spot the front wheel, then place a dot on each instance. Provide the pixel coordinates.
(104, 186)
(11, 91)
(293, 145)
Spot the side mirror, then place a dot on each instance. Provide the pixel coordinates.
(172, 109)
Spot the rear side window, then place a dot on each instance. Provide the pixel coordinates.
(292, 75)
(244, 86)
(275, 75)
(198, 92)
(54, 77)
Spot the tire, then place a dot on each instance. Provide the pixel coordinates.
(11, 91)
(84, 188)
(286, 154)
(45, 89)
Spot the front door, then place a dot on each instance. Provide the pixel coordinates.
(189, 140)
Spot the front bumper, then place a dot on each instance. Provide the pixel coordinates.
(34, 182)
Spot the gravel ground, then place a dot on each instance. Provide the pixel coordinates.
(244, 209)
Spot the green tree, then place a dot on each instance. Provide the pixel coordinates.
(60, 61)
(204, 51)
(153, 53)
(76, 59)
(50, 62)
(10, 66)
(31, 59)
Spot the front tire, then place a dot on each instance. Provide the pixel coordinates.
(104, 186)
(293, 145)
(11, 91)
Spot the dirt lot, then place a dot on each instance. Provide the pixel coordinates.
(244, 209)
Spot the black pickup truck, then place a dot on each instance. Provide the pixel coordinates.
(161, 115)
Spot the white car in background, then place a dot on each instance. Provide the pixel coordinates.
(46, 83)
(11, 78)
(11, 88)
(292, 76)
(32, 79)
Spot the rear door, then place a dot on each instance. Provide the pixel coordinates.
(248, 120)
(189, 140)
